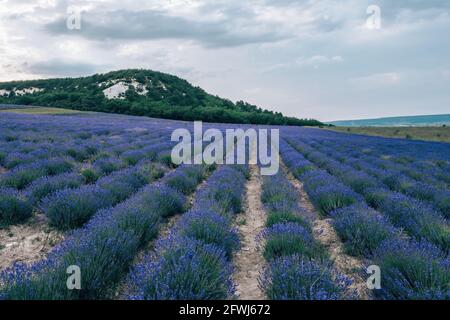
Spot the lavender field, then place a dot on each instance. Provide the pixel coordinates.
(100, 192)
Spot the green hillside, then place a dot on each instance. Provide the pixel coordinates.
(142, 93)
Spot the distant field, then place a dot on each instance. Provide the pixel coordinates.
(441, 134)
(41, 110)
(406, 121)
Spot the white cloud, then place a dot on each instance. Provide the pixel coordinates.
(304, 58)
(253, 91)
(383, 79)
(318, 60)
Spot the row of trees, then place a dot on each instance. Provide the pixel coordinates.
(168, 97)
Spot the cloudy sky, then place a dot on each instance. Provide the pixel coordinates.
(324, 59)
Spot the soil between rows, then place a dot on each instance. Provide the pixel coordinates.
(249, 261)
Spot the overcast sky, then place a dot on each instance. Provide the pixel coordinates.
(304, 58)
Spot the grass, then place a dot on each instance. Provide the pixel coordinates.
(42, 110)
(440, 134)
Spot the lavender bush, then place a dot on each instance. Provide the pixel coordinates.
(14, 207)
(330, 196)
(412, 270)
(187, 270)
(278, 195)
(362, 229)
(181, 181)
(287, 239)
(23, 175)
(223, 192)
(71, 208)
(296, 278)
(418, 219)
(210, 228)
(280, 201)
(47, 185)
(108, 165)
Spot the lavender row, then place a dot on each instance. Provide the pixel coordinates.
(194, 261)
(326, 192)
(394, 178)
(298, 266)
(424, 161)
(418, 219)
(17, 206)
(23, 175)
(410, 269)
(429, 172)
(71, 208)
(36, 179)
(103, 249)
(81, 144)
(430, 155)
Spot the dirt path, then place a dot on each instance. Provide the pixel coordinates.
(304, 201)
(249, 260)
(324, 232)
(27, 243)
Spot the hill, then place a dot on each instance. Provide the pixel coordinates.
(413, 121)
(142, 93)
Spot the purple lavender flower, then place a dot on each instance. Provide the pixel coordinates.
(44, 186)
(362, 229)
(222, 192)
(210, 228)
(417, 218)
(14, 207)
(187, 270)
(70, 208)
(287, 239)
(296, 278)
(412, 270)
